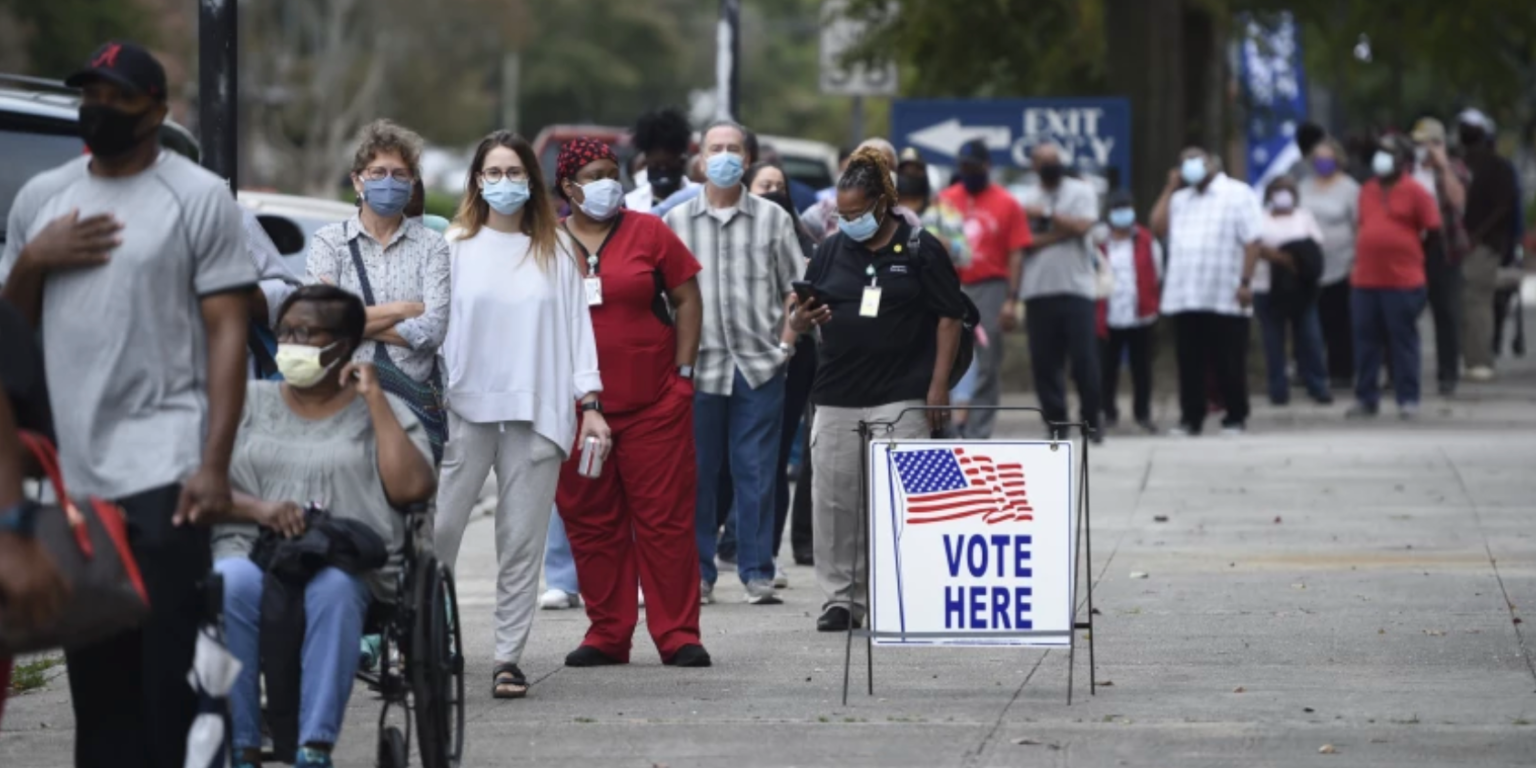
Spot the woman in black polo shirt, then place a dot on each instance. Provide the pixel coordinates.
(889, 316)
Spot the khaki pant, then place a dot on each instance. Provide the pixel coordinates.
(837, 504)
(1480, 271)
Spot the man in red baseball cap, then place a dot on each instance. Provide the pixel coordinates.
(132, 261)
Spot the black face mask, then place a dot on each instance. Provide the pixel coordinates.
(975, 183)
(664, 182)
(1050, 175)
(912, 185)
(782, 200)
(1471, 138)
(109, 132)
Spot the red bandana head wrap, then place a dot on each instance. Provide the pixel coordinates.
(577, 153)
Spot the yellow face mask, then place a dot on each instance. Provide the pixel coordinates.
(300, 364)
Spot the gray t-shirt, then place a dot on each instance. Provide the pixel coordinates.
(1336, 207)
(334, 462)
(1066, 268)
(125, 346)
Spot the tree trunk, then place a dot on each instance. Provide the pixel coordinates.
(1145, 39)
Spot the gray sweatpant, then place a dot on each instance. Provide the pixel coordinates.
(527, 470)
(837, 504)
(1480, 281)
(988, 297)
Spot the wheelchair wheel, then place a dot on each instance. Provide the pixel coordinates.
(392, 752)
(437, 668)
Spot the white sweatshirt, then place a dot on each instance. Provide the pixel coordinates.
(520, 344)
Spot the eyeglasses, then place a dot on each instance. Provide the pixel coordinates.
(495, 175)
(301, 334)
(378, 172)
(857, 216)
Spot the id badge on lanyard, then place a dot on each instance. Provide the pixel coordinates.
(593, 283)
(870, 305)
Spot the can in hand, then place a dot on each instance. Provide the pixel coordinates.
(591, 463)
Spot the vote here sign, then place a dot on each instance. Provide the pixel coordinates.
(971, 543)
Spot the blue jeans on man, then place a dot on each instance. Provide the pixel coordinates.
(1386, 323)
(741, 429)
(1279, 320)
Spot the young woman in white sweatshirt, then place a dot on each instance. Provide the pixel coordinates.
(522, 362)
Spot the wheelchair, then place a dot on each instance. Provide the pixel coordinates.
(420, 671)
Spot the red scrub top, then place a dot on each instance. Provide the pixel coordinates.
(636, 351)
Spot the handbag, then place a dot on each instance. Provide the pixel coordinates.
(88, 542)
(425, 399)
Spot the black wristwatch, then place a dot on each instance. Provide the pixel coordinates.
(20, 518)
(593, 405)
(685, 371)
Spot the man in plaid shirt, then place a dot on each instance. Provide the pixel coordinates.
(1212, 224)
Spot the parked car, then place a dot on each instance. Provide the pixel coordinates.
(813, 163)
(291, 220)
(38, 132)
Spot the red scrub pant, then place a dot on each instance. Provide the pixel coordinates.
(638, 516)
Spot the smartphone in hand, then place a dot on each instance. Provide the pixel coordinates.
(804, 291)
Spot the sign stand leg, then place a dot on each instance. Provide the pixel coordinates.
(869, 646)
(1083, 572)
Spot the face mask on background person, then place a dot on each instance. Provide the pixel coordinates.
(1325, 166)
(300, 364)
(601, 198)
(387, 196)
(1122, 218)
(1192, 170)
(860, 229)
(1051, 173)
(1382, 163)
(781, 199)
(725, 169)
(912, 185)
(975, 183)
(506, 197)
(107, 131)
(1282, 200)
(664, 181)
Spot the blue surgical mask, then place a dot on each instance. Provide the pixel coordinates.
(725, 169)
(860, 229)
(1122, 218)
(1193, 170)
(506, 197)
(387, 196)
(600, 199)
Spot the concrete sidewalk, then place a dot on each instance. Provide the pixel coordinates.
(1359, 586)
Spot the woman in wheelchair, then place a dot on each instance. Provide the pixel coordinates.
(329, 435)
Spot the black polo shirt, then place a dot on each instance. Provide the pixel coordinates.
(865, 362)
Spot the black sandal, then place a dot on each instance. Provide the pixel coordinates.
(507, 676)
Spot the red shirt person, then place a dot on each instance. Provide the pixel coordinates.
(998, 232)
(635, 521)
(1398, 217)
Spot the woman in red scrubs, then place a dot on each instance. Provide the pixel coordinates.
(636, 519)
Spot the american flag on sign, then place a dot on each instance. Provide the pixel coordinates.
(947, 484)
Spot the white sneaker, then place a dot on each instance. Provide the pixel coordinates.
(559, 600)
(1177, 432)
(761, 592)
(1480, 373)
(706, 593)
(780, 578)
(1233, 431)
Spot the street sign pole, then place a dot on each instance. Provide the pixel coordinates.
(856, 132)
(728, 61)
(217, 90)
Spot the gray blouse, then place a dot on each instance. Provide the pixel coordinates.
(1337, 210)
(412, 266)
(281, 456)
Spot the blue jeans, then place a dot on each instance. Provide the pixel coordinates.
(335, 605)
(745, 426)
(1390, 316)
(559, 565)
(1276, 322)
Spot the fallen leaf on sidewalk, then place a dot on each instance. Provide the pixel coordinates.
(1381, 631)
(1277, 519)
(1036, 743)
(1138, 574)
(1106, 683)
(1159, 518)
(1308, 710)
(1434, 632)
(1298, 586)
(1239, 689)
(1327, 749)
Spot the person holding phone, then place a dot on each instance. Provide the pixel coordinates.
(635, 519)
(889, 319)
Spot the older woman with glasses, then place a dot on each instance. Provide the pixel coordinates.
(399, 267)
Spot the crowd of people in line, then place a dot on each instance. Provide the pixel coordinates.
(638, 368)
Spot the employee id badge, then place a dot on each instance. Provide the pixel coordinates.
(594, 286)
(870, 306)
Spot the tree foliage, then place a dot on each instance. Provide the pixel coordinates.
(61, 34)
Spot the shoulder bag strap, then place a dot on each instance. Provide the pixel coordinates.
(362, 272)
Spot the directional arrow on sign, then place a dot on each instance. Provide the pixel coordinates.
(949, 136)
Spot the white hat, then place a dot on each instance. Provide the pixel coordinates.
(1476, 119)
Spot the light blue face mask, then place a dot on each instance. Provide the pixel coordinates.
(1122, 218)
(860, 229)
(387, 196)
(1193, 170)
(725, 169)
(506, 197)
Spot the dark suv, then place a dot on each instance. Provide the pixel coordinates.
(37, 132)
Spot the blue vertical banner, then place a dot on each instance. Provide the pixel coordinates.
(1274, 92)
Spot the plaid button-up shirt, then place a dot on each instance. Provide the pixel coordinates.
(1207, 233)
(750, 255)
